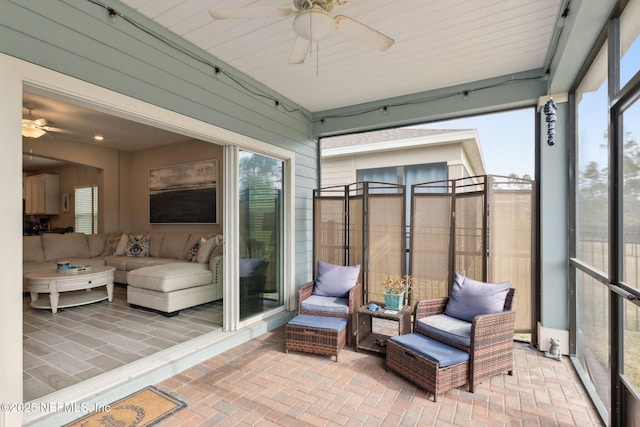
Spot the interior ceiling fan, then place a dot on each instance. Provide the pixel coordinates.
(312, 22)
(35, 128)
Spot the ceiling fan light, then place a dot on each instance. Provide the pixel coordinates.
(32, 132)
(29, 130)
(313, 24)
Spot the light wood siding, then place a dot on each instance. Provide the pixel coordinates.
(78, 38)
(338, 171)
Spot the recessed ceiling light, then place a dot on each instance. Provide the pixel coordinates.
(98, 138)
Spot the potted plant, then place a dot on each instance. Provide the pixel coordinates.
(395, 289)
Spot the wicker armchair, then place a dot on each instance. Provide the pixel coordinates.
(346, 310)
(491, 340)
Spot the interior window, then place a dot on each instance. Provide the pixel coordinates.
(86, 209)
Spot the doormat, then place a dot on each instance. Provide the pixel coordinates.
(141, 409)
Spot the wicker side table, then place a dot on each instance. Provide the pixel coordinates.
(368, 339)
(316, 334)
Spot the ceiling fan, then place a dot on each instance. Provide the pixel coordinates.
(35, 128)
(312, 22)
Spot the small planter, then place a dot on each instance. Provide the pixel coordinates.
(393, 301)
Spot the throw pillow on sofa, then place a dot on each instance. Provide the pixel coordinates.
(470, 298)
(335, 280)
(205, 249)
(111, 243)
(137, 246)
(122, 245)
(192, 256)
(201, 250)
(217, 250)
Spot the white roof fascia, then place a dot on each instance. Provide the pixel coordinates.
(438, 139)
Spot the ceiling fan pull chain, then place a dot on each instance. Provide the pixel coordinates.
(311, 33)
(311, 44)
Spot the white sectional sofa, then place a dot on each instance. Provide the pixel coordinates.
(192, 274)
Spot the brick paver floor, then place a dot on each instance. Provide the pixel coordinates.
(257, 384)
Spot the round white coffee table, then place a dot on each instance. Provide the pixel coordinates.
(69, 289)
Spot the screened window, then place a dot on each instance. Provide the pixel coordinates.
(631, 196)
(631, 368)
(629, 41)
(86, 209)
(592, 192)
(592, 227)
(607, 198)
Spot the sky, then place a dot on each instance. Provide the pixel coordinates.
(507, 140)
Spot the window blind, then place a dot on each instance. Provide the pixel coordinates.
(86, 209)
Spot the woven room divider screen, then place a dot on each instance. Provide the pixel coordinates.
(362, 223)
(482, 227)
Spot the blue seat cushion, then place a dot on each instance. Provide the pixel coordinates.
(449, 328)
(320, 322)
(436, 351)
(324, 304)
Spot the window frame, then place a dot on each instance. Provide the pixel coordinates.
(92, 211)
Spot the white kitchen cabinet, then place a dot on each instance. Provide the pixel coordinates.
(42, 194)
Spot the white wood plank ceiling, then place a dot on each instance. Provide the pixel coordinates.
(437, 44)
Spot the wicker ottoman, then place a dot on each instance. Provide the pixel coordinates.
(316, 334)
(428, 363)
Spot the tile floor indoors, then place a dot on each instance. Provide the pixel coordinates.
(256, 383)
(81, 342)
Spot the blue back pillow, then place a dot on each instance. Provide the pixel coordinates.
(335, 280)
(470, 298)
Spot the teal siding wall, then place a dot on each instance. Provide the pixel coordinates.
(486, 96)
(79, 39)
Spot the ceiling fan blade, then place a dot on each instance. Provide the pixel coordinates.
(250, 12)
(365, 34)
(57, 130)
(299, 51)
(42, 124)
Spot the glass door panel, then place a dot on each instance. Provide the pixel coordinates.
(261, 233)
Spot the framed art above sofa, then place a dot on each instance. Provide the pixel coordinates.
(185, 193)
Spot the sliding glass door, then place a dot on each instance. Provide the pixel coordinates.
(260, 214)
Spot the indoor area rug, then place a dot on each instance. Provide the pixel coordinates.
(140, 409)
